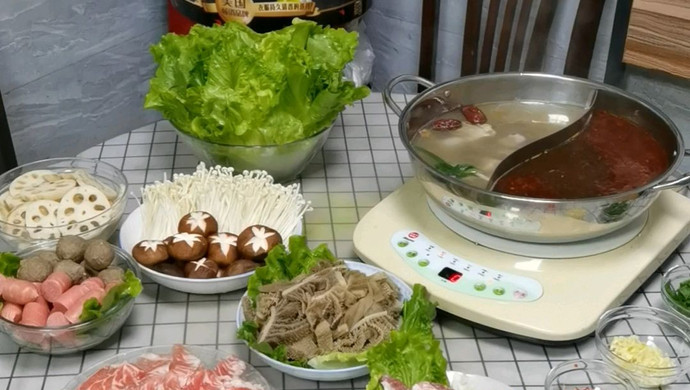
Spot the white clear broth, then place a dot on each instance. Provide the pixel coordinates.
(510, 125)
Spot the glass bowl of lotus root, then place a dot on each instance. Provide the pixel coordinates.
(45, 200)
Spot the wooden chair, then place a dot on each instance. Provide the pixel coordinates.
(8, 159)
(477, 52)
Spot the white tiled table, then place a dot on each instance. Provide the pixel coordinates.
(362, 162)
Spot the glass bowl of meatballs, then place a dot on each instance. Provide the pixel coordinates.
(68, 296)
(199, 259)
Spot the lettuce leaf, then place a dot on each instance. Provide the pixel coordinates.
(411, 354)
(128, 289)
(9, 264)
(248, 332)
(230, 85)
(336, 360)
(282, 264)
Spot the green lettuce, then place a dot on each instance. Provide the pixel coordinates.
(9, 264)
(336, 360)
(230, 85)
(128, 289)
(411, 354)
(286, 264)
(248, 332)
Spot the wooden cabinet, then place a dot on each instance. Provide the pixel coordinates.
(659, 36)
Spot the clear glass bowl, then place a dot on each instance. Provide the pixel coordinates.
(654, 327)
(76, 337)
(283, 162)
(208, 356)
(670, 282)
(103, 225)
(587, 375)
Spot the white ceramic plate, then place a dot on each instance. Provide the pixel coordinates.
(459, 381)
(130, 234)
(336, 374)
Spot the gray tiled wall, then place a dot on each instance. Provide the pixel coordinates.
(73, 73)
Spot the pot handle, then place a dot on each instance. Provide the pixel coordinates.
(680, 182)
(406, 78)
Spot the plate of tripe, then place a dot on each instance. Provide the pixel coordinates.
(205, 232)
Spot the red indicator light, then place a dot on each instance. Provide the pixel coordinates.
(485, 212)
(413, 235)
(454, 278)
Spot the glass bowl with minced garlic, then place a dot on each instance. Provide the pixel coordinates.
(650, 344)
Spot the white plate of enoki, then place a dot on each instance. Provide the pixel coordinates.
(236, 201)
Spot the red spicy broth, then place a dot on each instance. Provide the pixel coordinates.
(611, 156)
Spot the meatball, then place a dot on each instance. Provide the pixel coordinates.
(34, 269)
(50, 256)
(75, 271)
(71, 248)
(98, 255)
(112, 274)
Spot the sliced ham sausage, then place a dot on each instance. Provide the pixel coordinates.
(70, 296)
(55, 285)
(56, 319)
(11, 312)
(35, 314)
(19, 292)
(93, 283)
(74, 311)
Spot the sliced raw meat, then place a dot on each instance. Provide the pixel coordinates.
(127, 376)
(429, 386)
(151, 362)
(179, 371)
(182, 366)
(232, 367)
(95, 381)
(11, 312)
(2, 283)
(237, 384)
(389, 383)
(19, 292)
(55, 285)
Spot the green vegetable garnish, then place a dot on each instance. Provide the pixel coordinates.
(614, 211)
(412, 354)
(248, 332)
(681, 295)
(9, 264)
(128, 289)
(230, 85)
(285, 265)
(457, 171)
(336, 360)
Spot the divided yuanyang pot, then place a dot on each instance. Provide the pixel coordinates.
(523, 218)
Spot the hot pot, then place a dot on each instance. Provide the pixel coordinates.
(523, 218)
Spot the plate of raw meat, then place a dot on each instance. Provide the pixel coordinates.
(174, 367)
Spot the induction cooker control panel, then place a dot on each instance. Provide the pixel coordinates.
(460, 275)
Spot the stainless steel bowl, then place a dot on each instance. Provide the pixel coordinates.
(523, 218)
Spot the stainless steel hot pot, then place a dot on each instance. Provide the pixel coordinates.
(531, 219)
